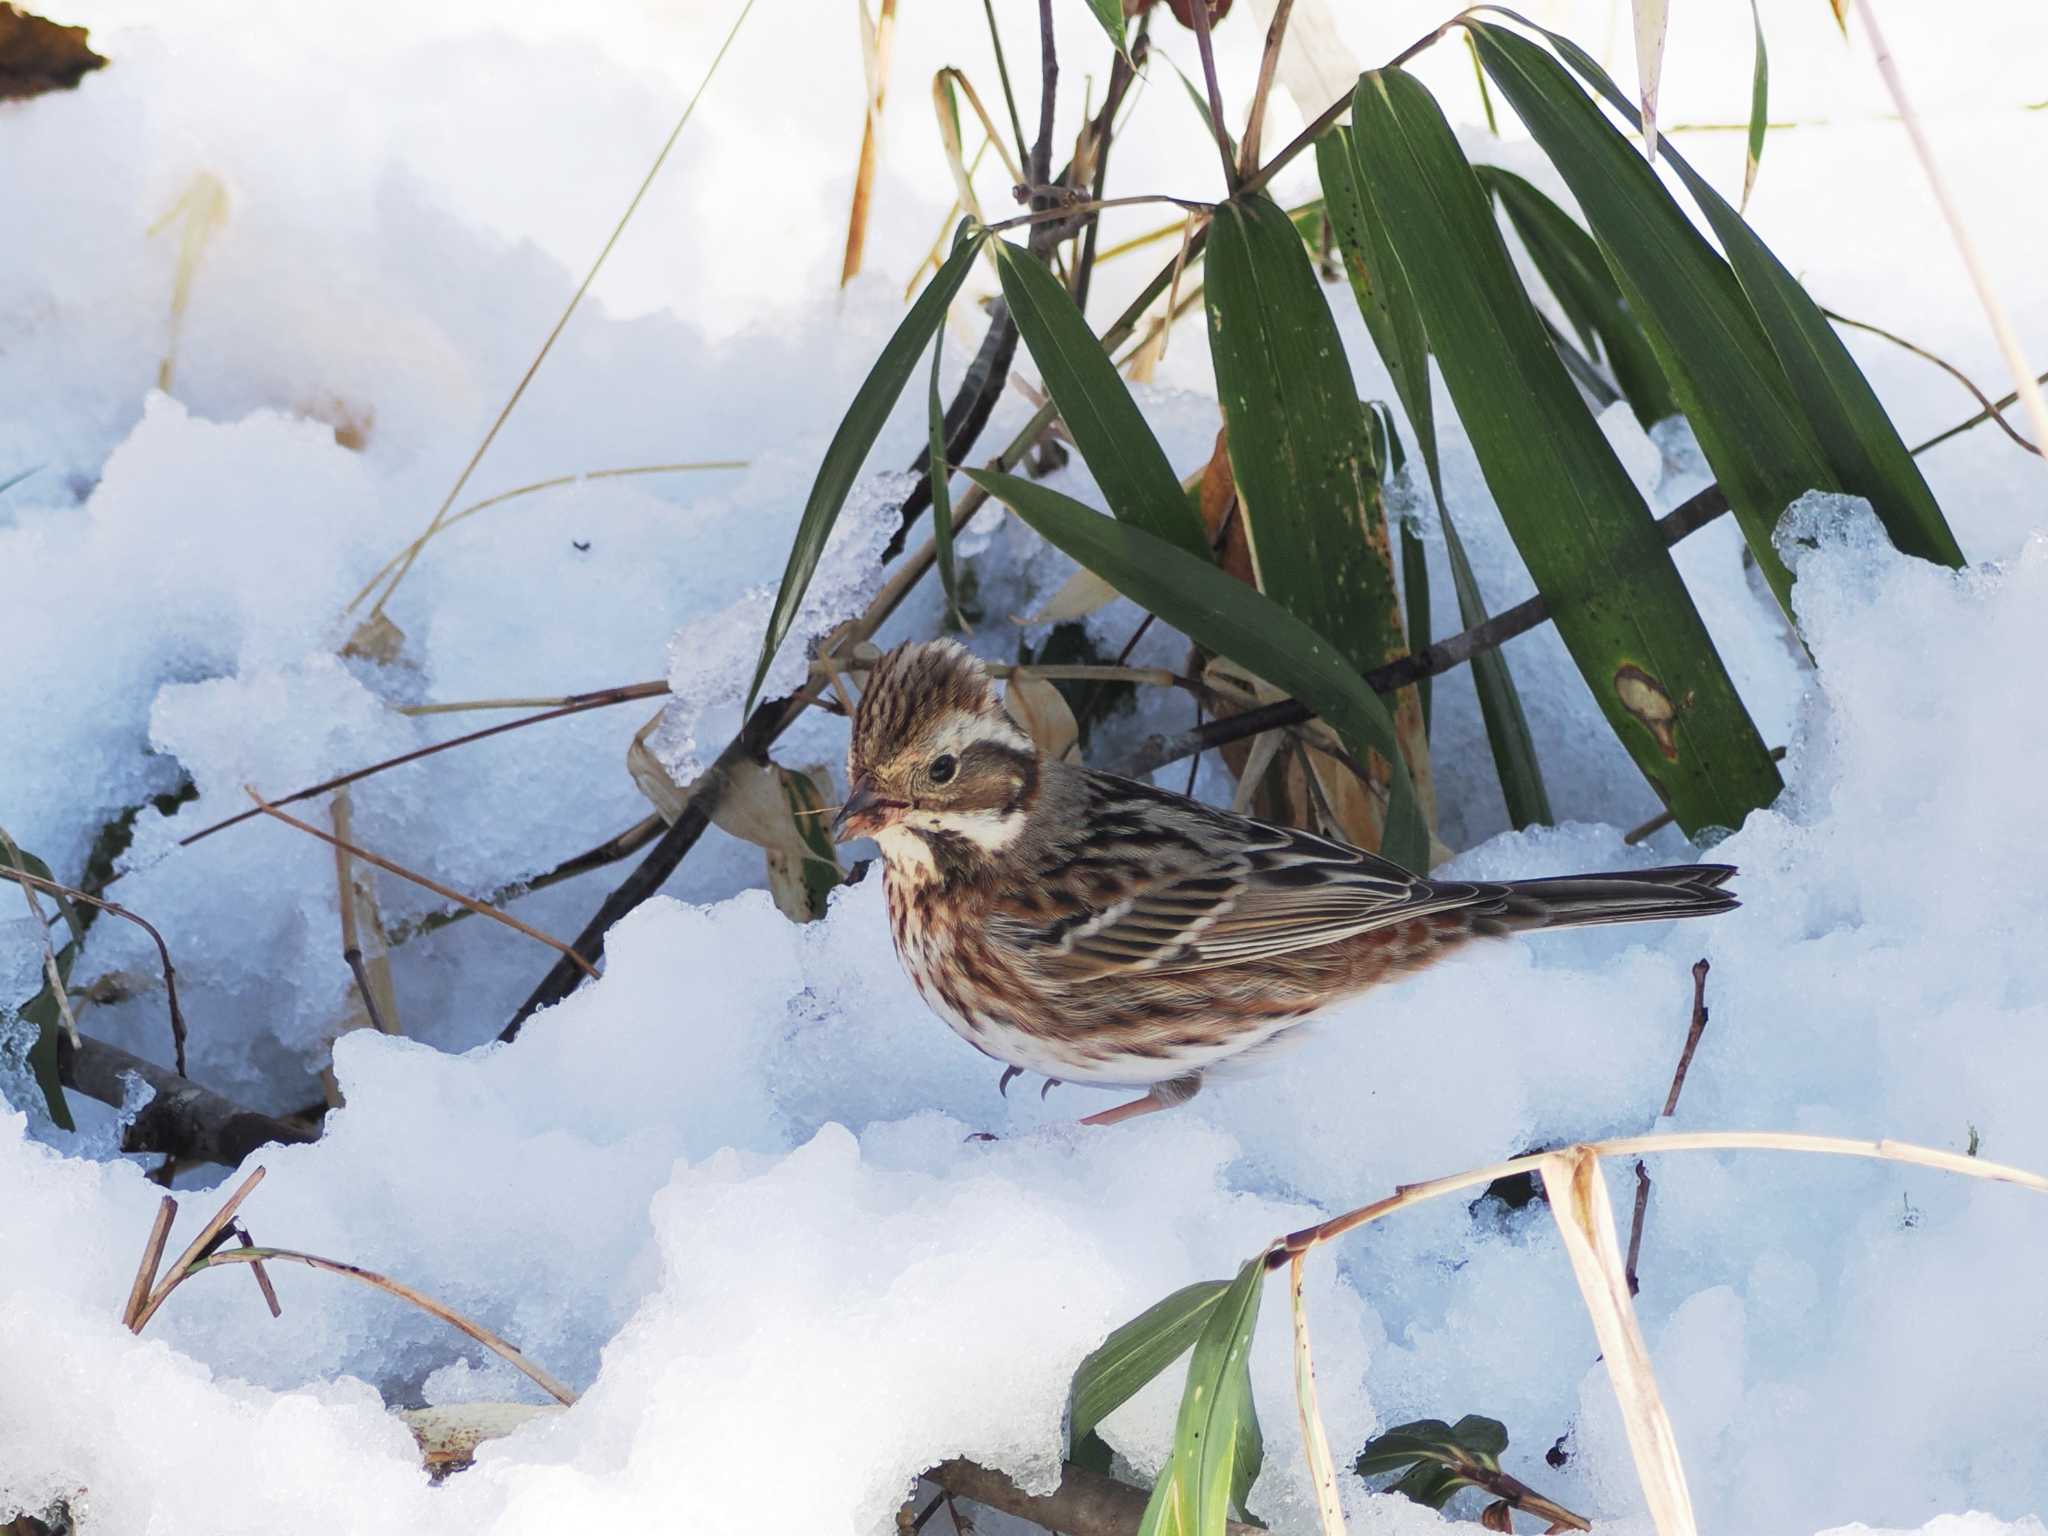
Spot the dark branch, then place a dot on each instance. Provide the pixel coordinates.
(965, 416)
(183, 1119)
(1085, 1503)
(1689, 517)
(769, 719)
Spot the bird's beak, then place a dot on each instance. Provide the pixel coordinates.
(864, 814)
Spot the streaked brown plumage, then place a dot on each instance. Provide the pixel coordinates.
(1099, 930)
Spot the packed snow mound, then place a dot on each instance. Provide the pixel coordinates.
(740, 1212)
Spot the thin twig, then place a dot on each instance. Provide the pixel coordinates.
(1198, 11)
(446, 893)
(1063, 210)
(1994, 310)
(622, 846)
(578, 703)
(1100, 134)
(1635, 1227)
(440, 516)
(262, 1275)
(345, 886)
(527, 490)
(1438, 657)
(1663, 819)
(163, 952)
(440, 1309)
(2010, 397)
(1269, 62)
(1048, 94)
(1993, 412)
(1692, 1035)
(1884, 1150)
(195, 1250)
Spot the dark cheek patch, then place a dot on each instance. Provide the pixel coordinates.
(992, 777)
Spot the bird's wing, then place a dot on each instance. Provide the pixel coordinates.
(1175, 887)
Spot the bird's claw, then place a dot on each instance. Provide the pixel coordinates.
(1003, 1082)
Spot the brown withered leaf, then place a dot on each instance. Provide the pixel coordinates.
(1042, 711)
(38, 56)
(1357, 810)
(448, 1435)
(376, 639)
(1184, 11)
(779, 810)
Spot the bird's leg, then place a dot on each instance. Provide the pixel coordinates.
(1167, 1095)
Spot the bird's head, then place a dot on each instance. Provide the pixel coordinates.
(937, 771)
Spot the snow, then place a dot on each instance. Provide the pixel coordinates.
(726, 1191)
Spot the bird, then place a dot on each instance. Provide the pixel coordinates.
(1100, 930)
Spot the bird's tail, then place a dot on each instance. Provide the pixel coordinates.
(1629, 896)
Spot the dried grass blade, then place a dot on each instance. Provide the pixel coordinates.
(877, 34)
(1315, 1444)
(208, 1234)
(1585, 1220)
(152, 1259)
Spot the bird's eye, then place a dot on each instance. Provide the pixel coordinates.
(943, 768)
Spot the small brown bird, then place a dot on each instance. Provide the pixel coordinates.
(1098, 930)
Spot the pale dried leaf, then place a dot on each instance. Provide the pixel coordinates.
(779, 810)
(1651, 18)
(1315, 1444)
(1585, 1219)
(1042, 711)
(199, 212)
(376, 639)
(1316, 65)
(1079, 595)
(662, 791)
(449, 1435)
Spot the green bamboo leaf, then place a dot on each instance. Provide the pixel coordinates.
(1300, 444)
(1578, 278)
(1216, 1442)
(1232, 619)
(1111, 14)
(1386, 300)
(1721, 366)
(856, 435)
(1136, 479)
(1390, 315)
(1843, 411)
(1436, 1460)
(1122, 1364)
(1759, 107)
(1581, 526)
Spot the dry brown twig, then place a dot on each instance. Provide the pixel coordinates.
(72, 893)
(204, 1252)
(445, 892)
